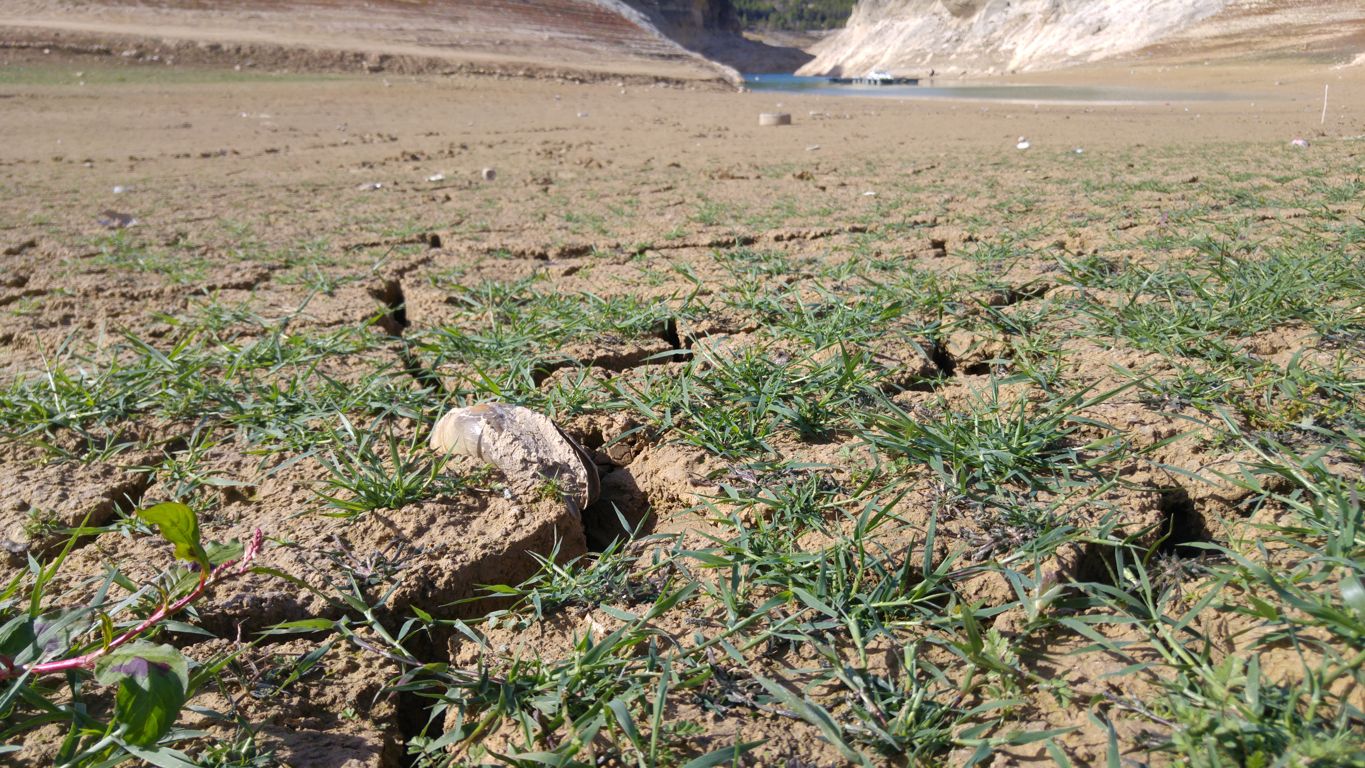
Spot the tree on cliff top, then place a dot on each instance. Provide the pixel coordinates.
(793, 14)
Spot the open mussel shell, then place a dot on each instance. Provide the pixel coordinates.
(527, 446)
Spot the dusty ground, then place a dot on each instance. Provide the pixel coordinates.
(332, 200)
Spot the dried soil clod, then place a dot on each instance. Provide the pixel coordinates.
(525, 445)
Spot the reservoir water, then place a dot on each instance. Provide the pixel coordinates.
(939, 89)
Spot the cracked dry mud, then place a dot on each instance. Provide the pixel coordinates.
(663, 233)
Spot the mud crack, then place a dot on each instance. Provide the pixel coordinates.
(389, 293)
(1181, 524)
(38, 531)
(942, 360)
(20, 247)
(394, 321)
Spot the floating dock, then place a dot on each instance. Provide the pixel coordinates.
(874, 80)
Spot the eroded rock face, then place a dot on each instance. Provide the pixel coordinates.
(712, 29)
(962, 9)
(980, 36)
(689, 21)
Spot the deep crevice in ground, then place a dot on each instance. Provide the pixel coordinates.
(942, 360)
(1175, 537)
(411, 710)
(1008, 297)
(668, 332)
(390, 294)
(618, 362)
(1182, 524)
(622, 509)
(394, 321)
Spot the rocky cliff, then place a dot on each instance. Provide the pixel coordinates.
(989, 36)
(690, 22)
(712, 29)
(983, 35)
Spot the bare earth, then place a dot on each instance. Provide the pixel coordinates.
(335, 198)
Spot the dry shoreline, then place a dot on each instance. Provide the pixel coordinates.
(267, 54)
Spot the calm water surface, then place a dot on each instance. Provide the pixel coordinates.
(938, 89)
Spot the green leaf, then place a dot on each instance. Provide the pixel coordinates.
(1057, 754)
(617, 613)
(1018, 738)
(1353, 594)
(29, 641)
(153, 683)
(220, 552)
(665, 603)
(543, 758)
(305, 664)
(814, 714)
(723, 756)
(16, 635)
(622, 713)
(178, 525)
(299, 626)
(161, 757)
